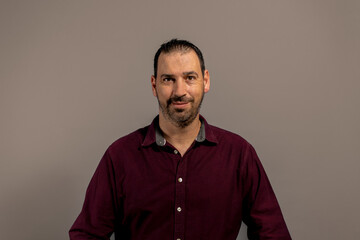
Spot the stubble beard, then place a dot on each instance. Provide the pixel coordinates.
(181, 117)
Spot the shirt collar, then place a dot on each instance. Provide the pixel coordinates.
(154, 134)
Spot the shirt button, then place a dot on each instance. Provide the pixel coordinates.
(179, 209)
(176, 151)
(180, 179)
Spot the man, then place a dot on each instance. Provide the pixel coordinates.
(179, 178)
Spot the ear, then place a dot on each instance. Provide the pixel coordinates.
(206, 81)
(153, 85)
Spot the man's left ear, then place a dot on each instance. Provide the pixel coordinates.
(206, 81)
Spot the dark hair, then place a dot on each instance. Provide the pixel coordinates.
(179, 45)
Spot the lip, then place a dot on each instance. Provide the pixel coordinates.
(180, 104)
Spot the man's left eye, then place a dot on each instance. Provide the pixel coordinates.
(191, 77)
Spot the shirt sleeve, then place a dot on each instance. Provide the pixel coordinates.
(98, 215)
(262, 213)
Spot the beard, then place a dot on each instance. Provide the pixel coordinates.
(178, 116)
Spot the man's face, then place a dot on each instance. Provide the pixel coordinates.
(180, 86)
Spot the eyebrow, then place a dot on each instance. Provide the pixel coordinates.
(184, 74)
(167, 75)
(190, 73)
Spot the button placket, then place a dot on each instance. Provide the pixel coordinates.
(180, 200)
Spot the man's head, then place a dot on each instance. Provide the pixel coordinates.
(179, 82)
(178, 45)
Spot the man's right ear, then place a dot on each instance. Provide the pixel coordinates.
(153, 85)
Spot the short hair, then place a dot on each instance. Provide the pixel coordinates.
(178, 45)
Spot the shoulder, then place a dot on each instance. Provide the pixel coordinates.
(229, 138)
(128, 142)
(235, 147)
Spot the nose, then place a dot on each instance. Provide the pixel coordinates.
(179, 88)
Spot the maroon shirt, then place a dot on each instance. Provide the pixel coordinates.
(143, 189)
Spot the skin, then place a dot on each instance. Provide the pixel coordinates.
(179, 88)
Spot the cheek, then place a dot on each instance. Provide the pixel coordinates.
(163, 94)
(196, 92)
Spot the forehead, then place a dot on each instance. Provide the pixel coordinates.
(179, 60)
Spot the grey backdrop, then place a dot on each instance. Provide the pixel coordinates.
(75, 76)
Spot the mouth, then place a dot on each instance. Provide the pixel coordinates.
(179, 104)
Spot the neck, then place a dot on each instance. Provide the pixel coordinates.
(179, 137)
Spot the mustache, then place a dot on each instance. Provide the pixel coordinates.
(179, 99)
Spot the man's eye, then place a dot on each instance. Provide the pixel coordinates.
(167, 79)
(191, 77)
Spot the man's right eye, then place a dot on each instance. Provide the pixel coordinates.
(167, 79)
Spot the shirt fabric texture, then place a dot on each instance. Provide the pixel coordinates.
(143, 189)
